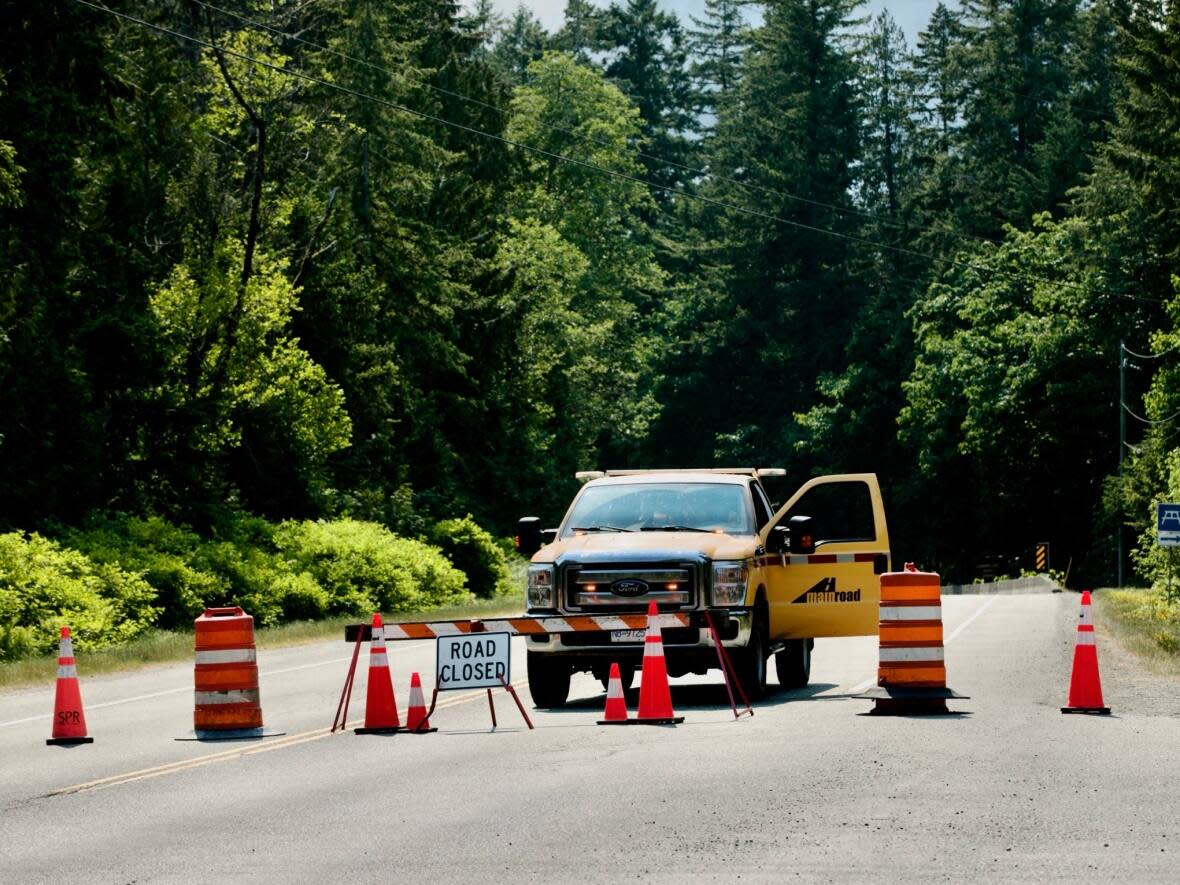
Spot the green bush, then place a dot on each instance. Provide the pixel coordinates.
(162, 552)
(117, 575)
(364, 567)
(44, 586)
(475, 553)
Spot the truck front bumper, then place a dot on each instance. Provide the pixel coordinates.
(733, 627)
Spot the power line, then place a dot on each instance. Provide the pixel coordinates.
(1143, 420)
(553, 155)
(755, 213)
(1148, 356)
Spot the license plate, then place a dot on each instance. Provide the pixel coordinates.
(627, 635)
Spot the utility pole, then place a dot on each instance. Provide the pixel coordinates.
(1122, 447)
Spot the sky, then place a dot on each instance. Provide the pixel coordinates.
(910, 15)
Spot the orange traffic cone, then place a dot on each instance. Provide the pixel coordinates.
(616, 704)
(655, 695)
(1085, 686)
(69, 721)
(380, 704)
(416, 718)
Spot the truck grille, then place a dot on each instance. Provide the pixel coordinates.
(595, 588)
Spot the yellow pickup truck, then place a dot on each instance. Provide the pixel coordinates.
(696, 540)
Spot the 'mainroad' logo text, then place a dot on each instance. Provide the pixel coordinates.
(825, 591)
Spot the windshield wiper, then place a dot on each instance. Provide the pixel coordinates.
(673, 528)
(599, 528)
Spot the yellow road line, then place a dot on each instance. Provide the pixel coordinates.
(237, 752)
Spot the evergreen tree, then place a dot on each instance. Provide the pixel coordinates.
(521, 41)
(853, 427)
(784, 313)
(1016, 61)
(717, 47)
(649, 62)
(579, 32)
(939, 86)
(1129, 202)
(484, 25)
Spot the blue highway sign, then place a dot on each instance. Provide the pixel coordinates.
(1167, 523)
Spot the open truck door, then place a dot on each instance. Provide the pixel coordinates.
(824, 550)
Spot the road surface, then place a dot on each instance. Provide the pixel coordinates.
(810, 788)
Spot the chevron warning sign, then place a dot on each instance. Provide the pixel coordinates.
(1042, 556)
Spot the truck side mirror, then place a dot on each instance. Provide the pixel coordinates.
(802, 535)
(779, 539)
(528, 535)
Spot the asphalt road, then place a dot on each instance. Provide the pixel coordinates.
(809, 788)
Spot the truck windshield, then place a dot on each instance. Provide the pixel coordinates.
(681, 506)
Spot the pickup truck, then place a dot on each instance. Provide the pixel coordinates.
(694, 540)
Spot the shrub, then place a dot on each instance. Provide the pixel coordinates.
(249, 576)
(44, 586)
(161, 552)
(474, 552)
(364, 567)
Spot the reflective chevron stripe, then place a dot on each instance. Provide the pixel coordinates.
(208, 698)
(814, 559)
(228, 656)
(532, 626)
(890, 655)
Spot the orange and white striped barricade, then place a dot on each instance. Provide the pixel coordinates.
(525, 625)
(911, 676)
(227, 705)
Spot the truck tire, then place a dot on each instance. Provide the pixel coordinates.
(549, 680)
(751, 664)
(793, 663)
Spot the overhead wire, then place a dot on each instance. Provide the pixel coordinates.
(1143, 420)
(635, 179)
(1148, 356)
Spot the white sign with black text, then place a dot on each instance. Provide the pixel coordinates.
(473, 660)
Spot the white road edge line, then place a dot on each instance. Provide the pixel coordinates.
(262, 674)
(872, 680)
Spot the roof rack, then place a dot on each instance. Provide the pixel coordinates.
(587, 475)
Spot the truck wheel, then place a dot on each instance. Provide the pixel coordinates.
(793, 663)
(549, 681)
(751, 664)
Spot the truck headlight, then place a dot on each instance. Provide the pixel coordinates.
(729, 583)
(540, 593)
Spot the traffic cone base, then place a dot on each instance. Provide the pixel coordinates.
(69, 720)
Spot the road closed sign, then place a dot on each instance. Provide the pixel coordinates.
(474, 660)
(1167, 523)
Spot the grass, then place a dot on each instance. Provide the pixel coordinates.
(1144, 623)
(166, 646)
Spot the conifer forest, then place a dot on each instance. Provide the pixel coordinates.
(278, 276)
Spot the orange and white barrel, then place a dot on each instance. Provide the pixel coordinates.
(226, 673)
(910, 630)
(911, 671)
